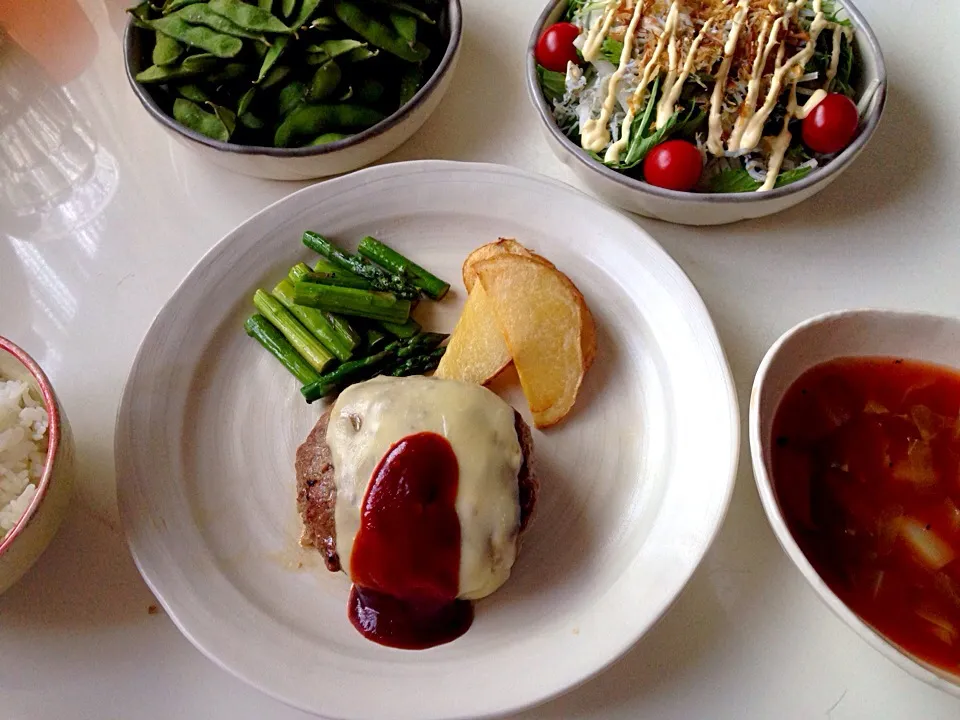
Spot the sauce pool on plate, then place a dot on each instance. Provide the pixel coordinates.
(866, 466)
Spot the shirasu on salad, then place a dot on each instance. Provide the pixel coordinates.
(735, 77)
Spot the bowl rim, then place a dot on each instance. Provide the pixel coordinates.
(53, 438)
(819, 175)
(758, 448)
(455, 18)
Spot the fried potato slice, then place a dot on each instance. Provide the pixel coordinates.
(503, 246)
(476, 351)
(548, 328)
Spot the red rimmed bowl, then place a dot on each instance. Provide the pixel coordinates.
(27, 540)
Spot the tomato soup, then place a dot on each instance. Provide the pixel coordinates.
(866, 465)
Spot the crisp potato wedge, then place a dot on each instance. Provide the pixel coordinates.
(548, 328)
(476, 351)
(503, 246)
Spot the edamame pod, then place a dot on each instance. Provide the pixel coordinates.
(201, 14)
(188, 113)
(370, 91)
(307, 9)
(290, 96)
(405, 25)
(171, 6)
(249, 17)
(244, 103)
(191, 66)
(141, 15)
(328, 138)
(192, 92)
(230, 71)
(410, 82)
(287, 7)
(330, 49)
(325, 81)
(273, 54)
(409, 9)
(313, 120)
(276, 74)
(166, 50)
(378, 33)
(216, 43)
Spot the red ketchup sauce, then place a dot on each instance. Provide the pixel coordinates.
(405, 562)
(866, 465)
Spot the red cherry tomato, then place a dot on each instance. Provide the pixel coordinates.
(555, 47)
(831, 125)
(675, 165)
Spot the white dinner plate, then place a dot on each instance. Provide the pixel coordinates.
(635, 482)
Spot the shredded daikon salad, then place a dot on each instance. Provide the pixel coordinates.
(735, 77)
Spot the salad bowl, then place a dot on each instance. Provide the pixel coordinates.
(711, 208)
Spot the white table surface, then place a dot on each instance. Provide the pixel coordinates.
(746, 639)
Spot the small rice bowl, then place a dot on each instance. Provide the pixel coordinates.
(23, 449)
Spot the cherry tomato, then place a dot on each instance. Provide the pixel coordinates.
(555, 47)
(674, 164)
(831, 125)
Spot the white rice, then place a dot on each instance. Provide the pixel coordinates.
(23, 449)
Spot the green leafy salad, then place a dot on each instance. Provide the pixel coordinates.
(705, 95)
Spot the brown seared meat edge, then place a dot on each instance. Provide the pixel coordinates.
(317, 493)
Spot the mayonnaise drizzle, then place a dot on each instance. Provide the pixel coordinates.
(756, 75)
(754, 128)
(674, 85)
(669, 29)
(715, 129)
(747, 131)
(597, 34)
(596, 133)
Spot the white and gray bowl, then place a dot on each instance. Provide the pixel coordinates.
(689, 208)
(847, 333)
(306, 163)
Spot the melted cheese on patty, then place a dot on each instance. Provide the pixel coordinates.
(370, 417)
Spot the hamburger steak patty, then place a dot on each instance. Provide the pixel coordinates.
(317, 493)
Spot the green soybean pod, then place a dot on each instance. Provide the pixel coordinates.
(188, 113)
(409, 9)
(325, 81)
(325, 22)
(224, 46)
(244, 103)
(307, 9)
(378, 33)
(166, 50)
(273, 54)
(410, 81)
(328, 138)
(193, 92)
(290, 96)
(361, 54)
(369, 91)
(230, 71)
(141, 15)
(191, 66)
(249, 17)
(276, 74)
(313, 120)
(251, 121)
(405, 25)
(287, 7)
(201, 14)
(171, 6)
